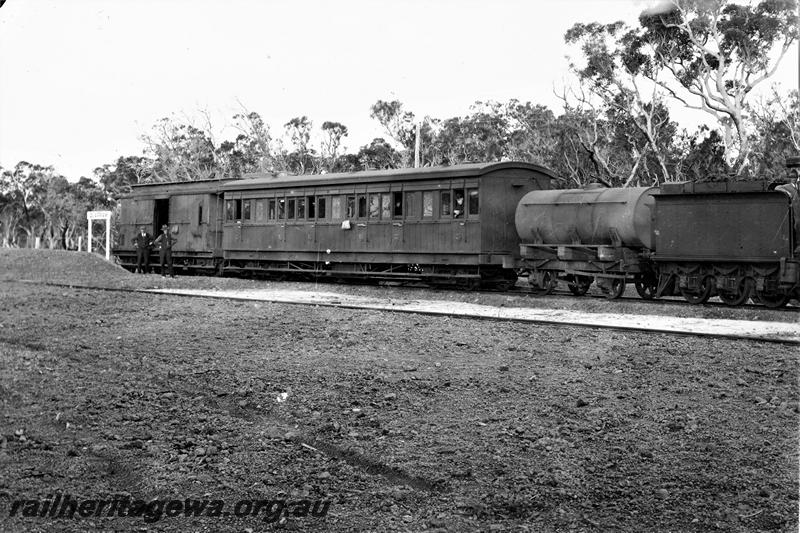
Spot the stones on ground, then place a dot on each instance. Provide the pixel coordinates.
(503, 402)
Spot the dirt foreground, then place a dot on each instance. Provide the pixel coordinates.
(396, 422)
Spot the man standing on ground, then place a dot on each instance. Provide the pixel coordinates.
(164, 243)
(143, 241)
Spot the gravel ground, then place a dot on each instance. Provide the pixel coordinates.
(402, 422)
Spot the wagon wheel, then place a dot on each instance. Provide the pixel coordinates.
(579, 285)
(702, 295)
(548, 284)
(647, 289)
(771, 299)
(616, 290)
(739, 296)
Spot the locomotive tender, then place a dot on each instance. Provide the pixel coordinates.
(479, 225)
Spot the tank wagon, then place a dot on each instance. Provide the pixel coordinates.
(586, 235)
(439, 224)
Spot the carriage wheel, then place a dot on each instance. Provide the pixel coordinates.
(701, 295)
(739, 296)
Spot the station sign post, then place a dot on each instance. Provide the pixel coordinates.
(99, 215)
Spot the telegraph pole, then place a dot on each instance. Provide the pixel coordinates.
(416, 146)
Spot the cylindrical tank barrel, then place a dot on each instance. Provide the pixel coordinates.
(593, 216)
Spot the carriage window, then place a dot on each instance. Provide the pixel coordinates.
(259, 209)
(312, 207)
(412, 207)
(199, 214)
(458, 203)
(233, 209)
(474, 205)
(271, 209)
(291, 205)
(321, 207)
(386, 206)
(362, 206)
(301, 208)
(374, 205)
(246, 210)
(336, 208)
(351, 207)
(427, 204)
(445, 211)
(281, 209)
(398, 204)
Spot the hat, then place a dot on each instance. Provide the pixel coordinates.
(165, 226)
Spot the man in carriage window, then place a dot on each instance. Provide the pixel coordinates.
(374, 206)
(458, 206)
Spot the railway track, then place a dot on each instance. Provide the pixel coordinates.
(777, 332)
(522, 289)
(672, 300)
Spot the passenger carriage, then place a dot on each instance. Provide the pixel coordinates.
(448, 224)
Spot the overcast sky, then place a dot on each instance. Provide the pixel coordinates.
(82, 80)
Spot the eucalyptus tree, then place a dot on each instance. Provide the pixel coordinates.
(715, 53)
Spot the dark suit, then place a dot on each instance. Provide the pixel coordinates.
(164, 243)
(142, 243)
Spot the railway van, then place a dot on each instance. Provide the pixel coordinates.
(193, 212)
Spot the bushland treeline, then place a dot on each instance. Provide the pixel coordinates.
(614, 125)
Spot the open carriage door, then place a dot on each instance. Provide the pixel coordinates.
(397, 192)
